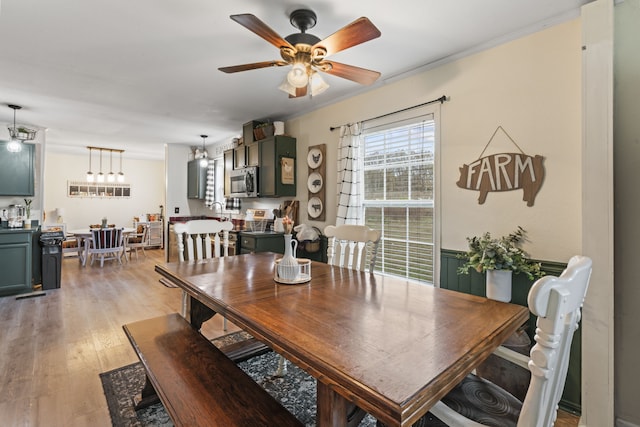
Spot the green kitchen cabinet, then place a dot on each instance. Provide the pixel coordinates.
(261, 242)
(16, 246)
(196, 180)
(17, 171)
(273, 151)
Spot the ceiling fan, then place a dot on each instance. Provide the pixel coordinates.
(307, 54)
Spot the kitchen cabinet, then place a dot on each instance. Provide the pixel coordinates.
(16, 249)
(228, 167)
(261, 242)
(267, 154)
(196, 180)
(239, 157)
(17, 171)
(252, 154)
(272, 151)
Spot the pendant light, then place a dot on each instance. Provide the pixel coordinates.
(204, 162)
(112, 176)
(100, 174)
(90, 174)
(120, 174)
(14, 145)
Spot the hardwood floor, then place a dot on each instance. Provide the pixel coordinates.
(53, 347)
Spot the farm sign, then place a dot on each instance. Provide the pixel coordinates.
(504, 172)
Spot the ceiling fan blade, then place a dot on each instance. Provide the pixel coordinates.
(350, 72)
(252, 23)
(359, 31)
(300, 91)
(253, 66)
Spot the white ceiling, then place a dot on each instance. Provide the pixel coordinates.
(138, 74)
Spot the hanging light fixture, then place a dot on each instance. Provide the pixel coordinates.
(100, 174)
(112, 176)
(19, 134)
(121, 174)
(317, 85)
(90, 174)
(204, 161)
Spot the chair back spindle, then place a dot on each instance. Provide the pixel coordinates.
(194, 242)
(351, 246)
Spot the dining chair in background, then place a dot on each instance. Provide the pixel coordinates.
(106, 244)
(352, 246)
(475, 402)
(137, 240)
(200, 239)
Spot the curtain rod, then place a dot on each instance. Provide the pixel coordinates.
(440, 100)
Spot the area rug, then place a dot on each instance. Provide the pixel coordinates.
(296, 391)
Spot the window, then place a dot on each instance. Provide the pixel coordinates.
(399, 196)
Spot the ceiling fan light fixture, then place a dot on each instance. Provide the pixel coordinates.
(298, 76)
(317, 85)
(287, 87)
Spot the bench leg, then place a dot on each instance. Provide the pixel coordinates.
(146, 397)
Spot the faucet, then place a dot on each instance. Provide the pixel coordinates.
(221, 209)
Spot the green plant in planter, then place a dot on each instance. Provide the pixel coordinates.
(28, 202)
(504, 253)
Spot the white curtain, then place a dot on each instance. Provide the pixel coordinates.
(211, 185)
(349, 191)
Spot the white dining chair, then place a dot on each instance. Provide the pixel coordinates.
(200, 239)
(106, 244)
(352, 246)
(137, 240)
(475, 402)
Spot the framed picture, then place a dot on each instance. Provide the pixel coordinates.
(288, 170)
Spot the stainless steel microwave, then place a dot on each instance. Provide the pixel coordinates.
(244, 182)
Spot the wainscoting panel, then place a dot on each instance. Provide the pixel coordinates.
(474, 283)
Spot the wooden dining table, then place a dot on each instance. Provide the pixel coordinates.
(390, 346)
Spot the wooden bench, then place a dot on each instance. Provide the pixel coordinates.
(196, 382)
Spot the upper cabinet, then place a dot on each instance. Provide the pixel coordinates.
(17, 171)
(277, 166)
(275, 158)
(196, 180)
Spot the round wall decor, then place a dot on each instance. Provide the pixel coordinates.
(315, 182)
(314, 158)
(314, 207)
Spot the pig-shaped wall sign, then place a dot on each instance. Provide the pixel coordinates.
(504, 172)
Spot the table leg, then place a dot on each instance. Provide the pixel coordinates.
(332, 407)
(196, 312)
(83, 250)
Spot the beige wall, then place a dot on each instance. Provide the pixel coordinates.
(531, 87)
(146, 178)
